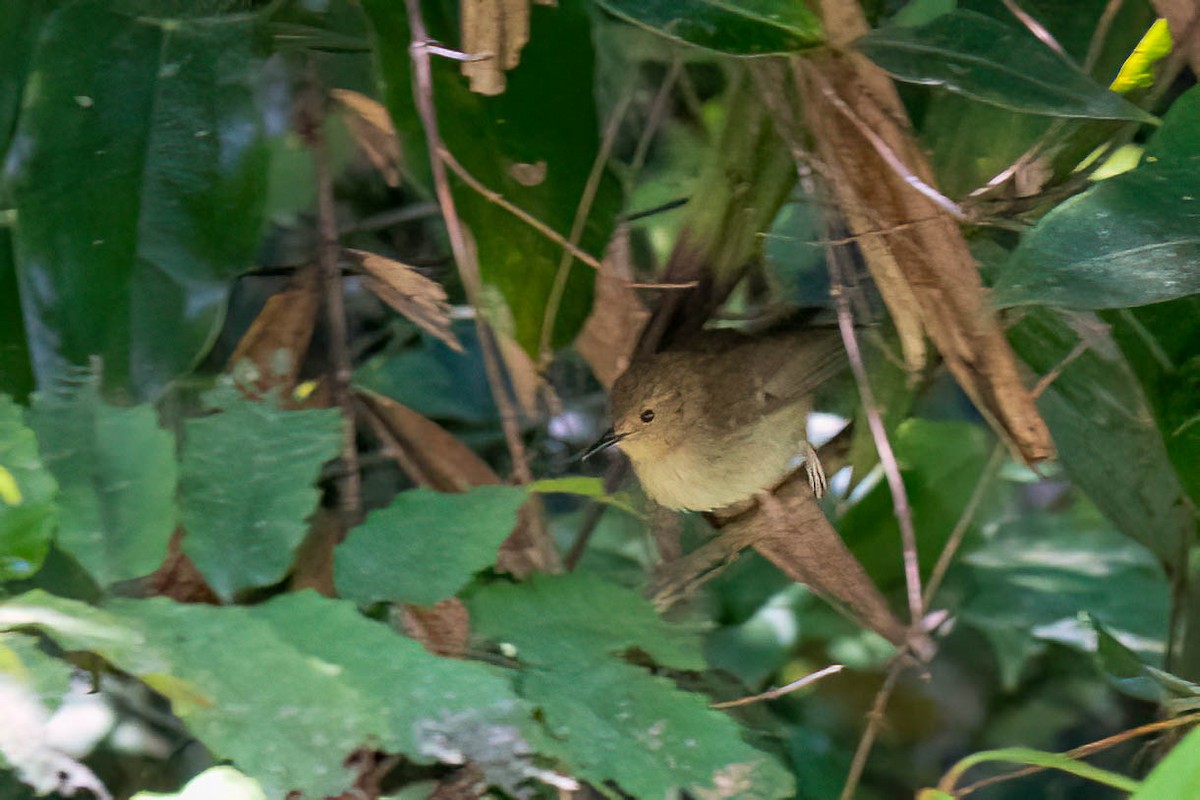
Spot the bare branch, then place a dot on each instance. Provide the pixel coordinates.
(887, 458)
(312, 128)
(492, 196)
(464, 254)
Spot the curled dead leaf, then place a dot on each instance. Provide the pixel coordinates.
(612, 330)
(371, 126)
(916, 252)
(497, 29)
(278, 339)
(410, 293)
(528, 174)
(443, 629)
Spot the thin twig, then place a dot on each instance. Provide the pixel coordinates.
(313, 130)
(464, 254)
(1056, 371)
(387, 219)
(1085, 750)
(780, 691)
(874, 723)
(664, 286)
(964, 522)
(492, 196)
(1035, 27)
(1096, 45)
(887, 457)
(582, 211)
(654, 119)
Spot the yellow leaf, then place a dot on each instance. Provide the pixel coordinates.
(1138, 70)
(10, 493)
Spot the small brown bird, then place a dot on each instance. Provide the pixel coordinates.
(719, 419)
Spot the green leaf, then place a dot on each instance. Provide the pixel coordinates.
(972, 54)
(426, 545)
(1104, 430)
(1177, 775)
(1129, 240)
(546, 115)
(581, 486)
(556, 619)
(247, 487)
(116, 474)
(612, 722)
(323, 682)
(739, 27)
(1036, 575)
(22, 18)
(942, 463)
(16, 371)
(28, 513)
(1140, 680)
(138, 171)
(1023, 755)
(608, 720)
(1160, 343)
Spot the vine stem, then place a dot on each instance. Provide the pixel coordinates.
(464, 253)
(312, 124)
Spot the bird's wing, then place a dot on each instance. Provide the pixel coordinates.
(777, 372)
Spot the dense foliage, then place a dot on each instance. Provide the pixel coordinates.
(299, 343)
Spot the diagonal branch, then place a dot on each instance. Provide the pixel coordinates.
(464, 254)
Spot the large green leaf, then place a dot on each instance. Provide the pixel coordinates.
(17, 36)
(611, 721)
(247, 488)
(28, 512)
(1104, 430)
(116, 474)
(289, 689)
(16, 373)
(1032, 581)
(975, 55)
(942, 464)
(554, 619)
(1177, 776)
(1160, 342)
(739, 27)
(1130, 240)
(426, 545)
(138, 172)
(545, 116)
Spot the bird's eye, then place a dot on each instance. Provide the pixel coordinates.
(648, 415)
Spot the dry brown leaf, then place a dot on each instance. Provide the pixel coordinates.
(612, 330)
(421, 300)
(371, 126)
(443, 629)
(277, 341)
(791, 531)
(522, 373)
(429, 454)
(914, 248)
(433, 457)
(528, 174)
(497, 29)
(178, 578)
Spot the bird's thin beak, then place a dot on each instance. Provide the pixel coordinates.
(606, 441)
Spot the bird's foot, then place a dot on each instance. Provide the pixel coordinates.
(815, 472)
